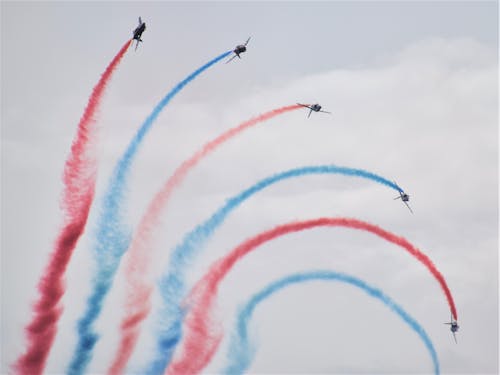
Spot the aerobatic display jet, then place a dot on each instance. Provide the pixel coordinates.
(405, 198)
(315, 107)
(138, 32)
(453, 327)
(240, 48)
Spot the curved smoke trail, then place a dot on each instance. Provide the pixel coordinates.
(79, 185)
(201, 341)
(172, 285)
(112, 237)
(138, 260)
(242, 350)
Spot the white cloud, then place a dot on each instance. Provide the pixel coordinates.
(426, 116)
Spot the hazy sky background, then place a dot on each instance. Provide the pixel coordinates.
(413, 87)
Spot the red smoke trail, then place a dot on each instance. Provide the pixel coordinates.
(139, 287)
(79, 186)
(200, 343)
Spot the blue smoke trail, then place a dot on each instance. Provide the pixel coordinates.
(113, 237)
(242, 350)
(172, 285)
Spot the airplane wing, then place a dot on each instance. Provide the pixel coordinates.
(247, 41)
(231, 59)
(407, 205)
(326, 112)
(140, 21)
(137, 44)
(397, 198)
(455, 337)
(310, 111)
(400, 190)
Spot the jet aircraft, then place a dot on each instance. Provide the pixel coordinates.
(453, 327)
(240, 48)
(405, 198)
(315, 107)
(138, 32)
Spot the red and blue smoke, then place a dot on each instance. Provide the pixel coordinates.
(187, 334)
(79, 186)
(172, 285)
(112, 235)
(139, 287)
(200, 339)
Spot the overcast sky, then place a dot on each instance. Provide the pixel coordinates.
(413, 87)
